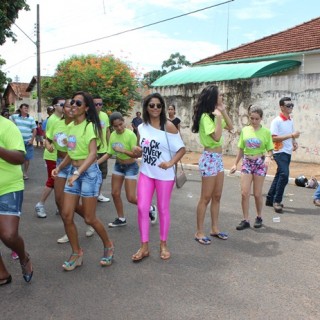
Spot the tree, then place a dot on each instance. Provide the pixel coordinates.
(176, 61)
(106, 76)
(8, 14)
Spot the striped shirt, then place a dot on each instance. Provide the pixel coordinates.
(25, 124)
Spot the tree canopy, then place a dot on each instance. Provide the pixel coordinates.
(8, 14)
(176, 61)
(9, 11)
(110, 78)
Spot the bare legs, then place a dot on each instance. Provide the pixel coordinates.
(246, 182)
(211, 190)
(9, 235)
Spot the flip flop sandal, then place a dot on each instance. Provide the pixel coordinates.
(220, 235)
(203, 240)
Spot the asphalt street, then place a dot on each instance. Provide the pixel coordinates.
(267, 273)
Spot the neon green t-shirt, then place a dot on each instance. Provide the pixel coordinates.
(79, 138)
(105, 124)
(59, 135)
(50, 124)
(126, 140)
(11, 174)
(255, 142)
(206, 128)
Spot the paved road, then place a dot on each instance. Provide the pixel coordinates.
(271, 273)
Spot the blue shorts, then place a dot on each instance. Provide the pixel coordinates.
(11, 203)
(29, 151)
(129, 171)
(210, 164)
(88, 183)
(65, 171)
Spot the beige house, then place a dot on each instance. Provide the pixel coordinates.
(261, 72)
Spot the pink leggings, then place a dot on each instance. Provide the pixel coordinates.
(146, 187)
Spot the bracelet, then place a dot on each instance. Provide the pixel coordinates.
(268, 156)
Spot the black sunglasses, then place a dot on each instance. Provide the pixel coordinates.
(152, 105)
(61, 104)
(77, 102)
(98, 104)
(289, 105)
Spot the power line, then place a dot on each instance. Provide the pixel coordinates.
(138, 28)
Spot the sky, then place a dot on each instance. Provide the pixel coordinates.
(73, 27)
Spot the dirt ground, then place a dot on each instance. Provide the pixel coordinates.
(296, 168)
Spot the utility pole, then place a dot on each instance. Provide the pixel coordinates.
(38, 64)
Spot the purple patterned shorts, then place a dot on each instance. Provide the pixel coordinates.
(210, 164)
(254, 166)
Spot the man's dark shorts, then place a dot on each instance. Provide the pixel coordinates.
(103, 166)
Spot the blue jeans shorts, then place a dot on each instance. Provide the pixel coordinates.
(29, 151)
(88, 183)
(11, 203)
(129, 171)
(65, 171)
(210, 164)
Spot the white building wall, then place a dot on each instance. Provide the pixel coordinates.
(264, 92)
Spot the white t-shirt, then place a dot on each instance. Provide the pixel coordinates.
(281, 127)
(155, 150)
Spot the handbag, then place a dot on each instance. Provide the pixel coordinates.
(181, 178)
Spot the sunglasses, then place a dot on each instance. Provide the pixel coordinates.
(98, 104)
(78, 103)
(289, 105)
(153, 105)
(60, 104)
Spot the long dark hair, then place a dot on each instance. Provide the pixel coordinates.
(145, 114)
(91, 113)
(206, 103)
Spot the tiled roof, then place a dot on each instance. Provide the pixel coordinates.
(301, 38)
(19, 89)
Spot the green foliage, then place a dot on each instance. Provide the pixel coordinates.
(8, 14)
(110, 78)
(3, 76)
(176, 61)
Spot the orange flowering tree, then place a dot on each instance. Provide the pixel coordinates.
(110, 78)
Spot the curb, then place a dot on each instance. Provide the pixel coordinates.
(237, 173)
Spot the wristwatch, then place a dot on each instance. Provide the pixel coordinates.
(76, 172)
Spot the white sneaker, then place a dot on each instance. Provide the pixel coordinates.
(63, 239)
(102, 198)
(90, 231)
(40, 211)
(153, 214)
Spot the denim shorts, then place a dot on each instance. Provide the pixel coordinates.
(210, 164)
(29, 151)
(88, 183)
(65, 171)
(129, 171)
(254, 166)
(11, 203)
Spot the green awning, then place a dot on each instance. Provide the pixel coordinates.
(222, 72)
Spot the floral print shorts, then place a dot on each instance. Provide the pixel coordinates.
(210, 164)
(254, 166)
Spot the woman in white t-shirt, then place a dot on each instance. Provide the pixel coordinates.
(161, 147)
